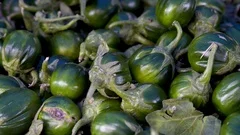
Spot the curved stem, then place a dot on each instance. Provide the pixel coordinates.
(120, 93)
(90, 93)
(37, 125)
(44, 75)
(83, 4)
(22, 4)
(82, 53)
(139, 38)
(83, 121)
(180, 53)
(49, 20)
(206, 76)
(117, 23)
(174, 43)
(62, 27)
(34, 76)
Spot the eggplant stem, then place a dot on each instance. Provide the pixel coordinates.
(83, 4)
(206, 76)
(120, 93)
(139, 38)
(74, 17)
(90, 92)
(117, 23)
(175, 42)
(35, 78)
(22, 4)
(82, 53)
(83, 121)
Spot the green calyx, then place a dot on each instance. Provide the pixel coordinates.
(130, 32)
(91, 109)
(201, 85)
(101, 74)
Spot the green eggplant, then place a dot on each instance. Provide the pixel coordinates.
(106, 67)
(226, 57)
(168, 11)
(98, 105)
(141, 99)
(217, 5)
(232, 29)
(145, 29)
(225, 96)
(46, 68)
(66, 43)
(20, 52)
(194, 86)
(17, 109)
(8, 82)
(69, 80)
(59, 115)
(114, 123)
(155, 64)
(88, 48)
(181, 48)
(180, 52)
(98, 12)
(205, 20)
(231, 125)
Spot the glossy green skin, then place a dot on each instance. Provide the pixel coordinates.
(18, 107)
(168, 11)
(92, 42)
(184, 86)
(147, 66)
(9, 82)
(149, 99)
(150, 28)
(233, 30)
(120, 16)
(217, 5)
(114, 123)
(224, 60)
(166, 38)
(70, 80)
(20, 51)
(66, 43)
(59, 115)
(134, 6)
(99, 12)
(231, 125)
(225, 96)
